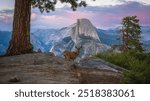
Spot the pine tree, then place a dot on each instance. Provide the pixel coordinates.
(131, 34)
(20, 42)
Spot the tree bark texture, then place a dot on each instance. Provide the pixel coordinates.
(20, 42)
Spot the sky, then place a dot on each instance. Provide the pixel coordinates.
(102, 13)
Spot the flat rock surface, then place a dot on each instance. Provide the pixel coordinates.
(41, 68)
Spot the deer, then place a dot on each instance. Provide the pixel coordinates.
(72, 55)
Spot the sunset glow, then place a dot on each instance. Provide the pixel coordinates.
(102, 13)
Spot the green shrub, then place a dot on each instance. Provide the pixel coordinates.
(137, 64)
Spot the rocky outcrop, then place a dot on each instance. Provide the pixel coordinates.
(100, 64)
(46, 68)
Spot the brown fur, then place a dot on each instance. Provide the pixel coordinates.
(71, 55)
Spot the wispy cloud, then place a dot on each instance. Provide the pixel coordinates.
(6, 13)
(6, 18)
(100, 16)
(103, 17)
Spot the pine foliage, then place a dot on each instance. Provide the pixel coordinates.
(132, 33)
(49, 5)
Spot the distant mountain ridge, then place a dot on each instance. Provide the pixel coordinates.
(40, 39)
(110, 37)
(45, 39)
(5, 37)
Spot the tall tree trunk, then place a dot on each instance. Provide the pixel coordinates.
(20, 42)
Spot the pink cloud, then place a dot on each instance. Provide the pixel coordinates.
(34, 16)
(79, 14)
(102, 17)
(144, 17)
(54, 19)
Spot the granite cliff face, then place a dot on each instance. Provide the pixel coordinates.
(84, 27)
(82, 33)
